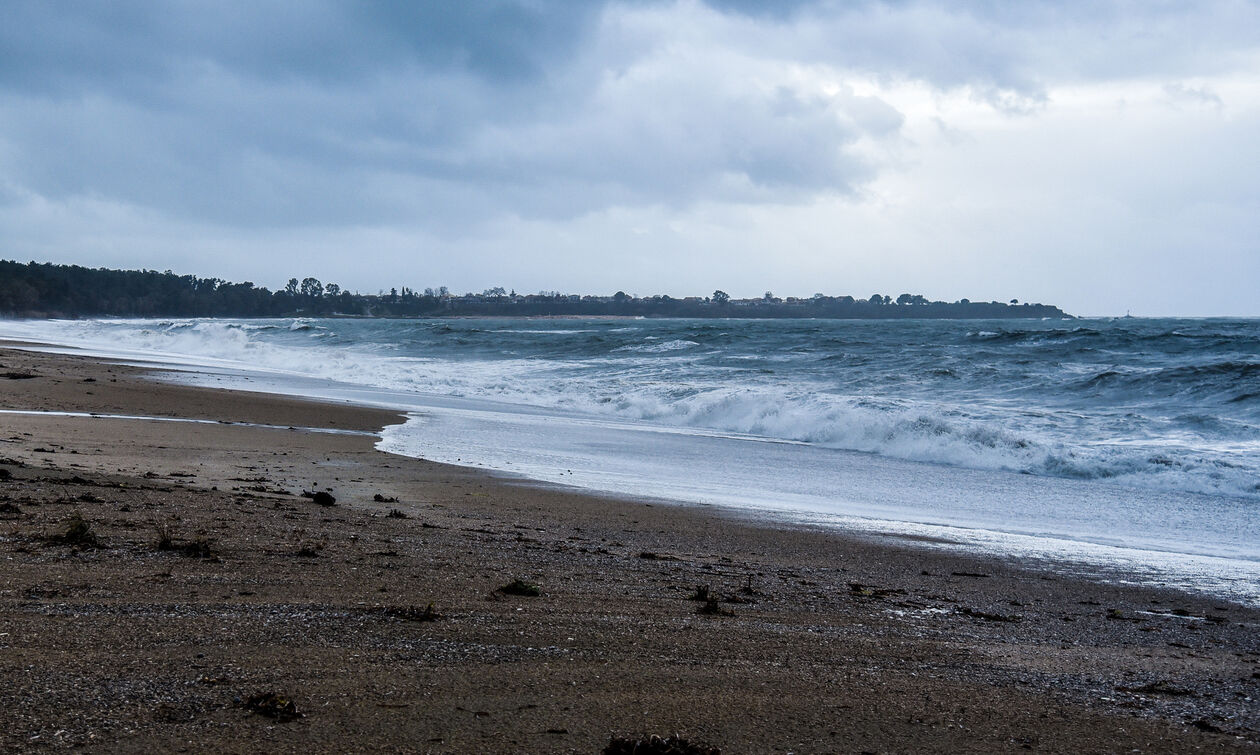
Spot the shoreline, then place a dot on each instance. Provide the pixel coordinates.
(1215, 575)
(846, 642)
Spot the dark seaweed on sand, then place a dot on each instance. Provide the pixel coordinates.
(412, 613)
(658, 745)
(76, 532)
(521, 587)
(272, 705)
(321, 497)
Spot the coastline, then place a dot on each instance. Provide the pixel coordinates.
(849, 643)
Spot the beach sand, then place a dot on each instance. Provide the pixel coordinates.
(837, 643)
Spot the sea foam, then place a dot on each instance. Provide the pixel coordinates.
(1041, 401)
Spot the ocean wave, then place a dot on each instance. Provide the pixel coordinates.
(977, 412)
(1226, 380)
(1046, 335)
(553, 332)
(301, 324)
(656, 348)
(940, 435)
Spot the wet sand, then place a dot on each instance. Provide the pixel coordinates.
(819, 642)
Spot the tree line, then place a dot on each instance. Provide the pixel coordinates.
(49, 290)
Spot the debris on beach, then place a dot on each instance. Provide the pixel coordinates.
(713, 607)
(985, 615)
(705, 594)
(384, 498)
(412, 613)
(77, 532)
(273, 705)
(748, 588)
(1158, 687)
(658, 745)
(1115, 614)
(654, 556)
(867, 591)
(201, 547)
(521, 587)
(323, 498)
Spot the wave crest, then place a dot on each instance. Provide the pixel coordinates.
(1060, 431)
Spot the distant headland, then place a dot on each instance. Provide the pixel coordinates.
(47, 290)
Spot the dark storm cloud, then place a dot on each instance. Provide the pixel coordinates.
(350, 113)
(260, 114)
(446, 114)
(74, 46)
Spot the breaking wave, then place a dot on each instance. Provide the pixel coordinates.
(1170, 406)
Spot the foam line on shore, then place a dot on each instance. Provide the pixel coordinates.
(94, 415)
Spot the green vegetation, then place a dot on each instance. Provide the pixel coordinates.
(47, 290)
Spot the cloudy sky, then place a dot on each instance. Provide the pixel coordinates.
(1103, 156)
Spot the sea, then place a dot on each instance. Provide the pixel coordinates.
(1125, 449)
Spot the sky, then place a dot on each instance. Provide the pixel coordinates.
(1102, 156)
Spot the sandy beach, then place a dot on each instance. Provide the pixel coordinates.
(167, 586)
